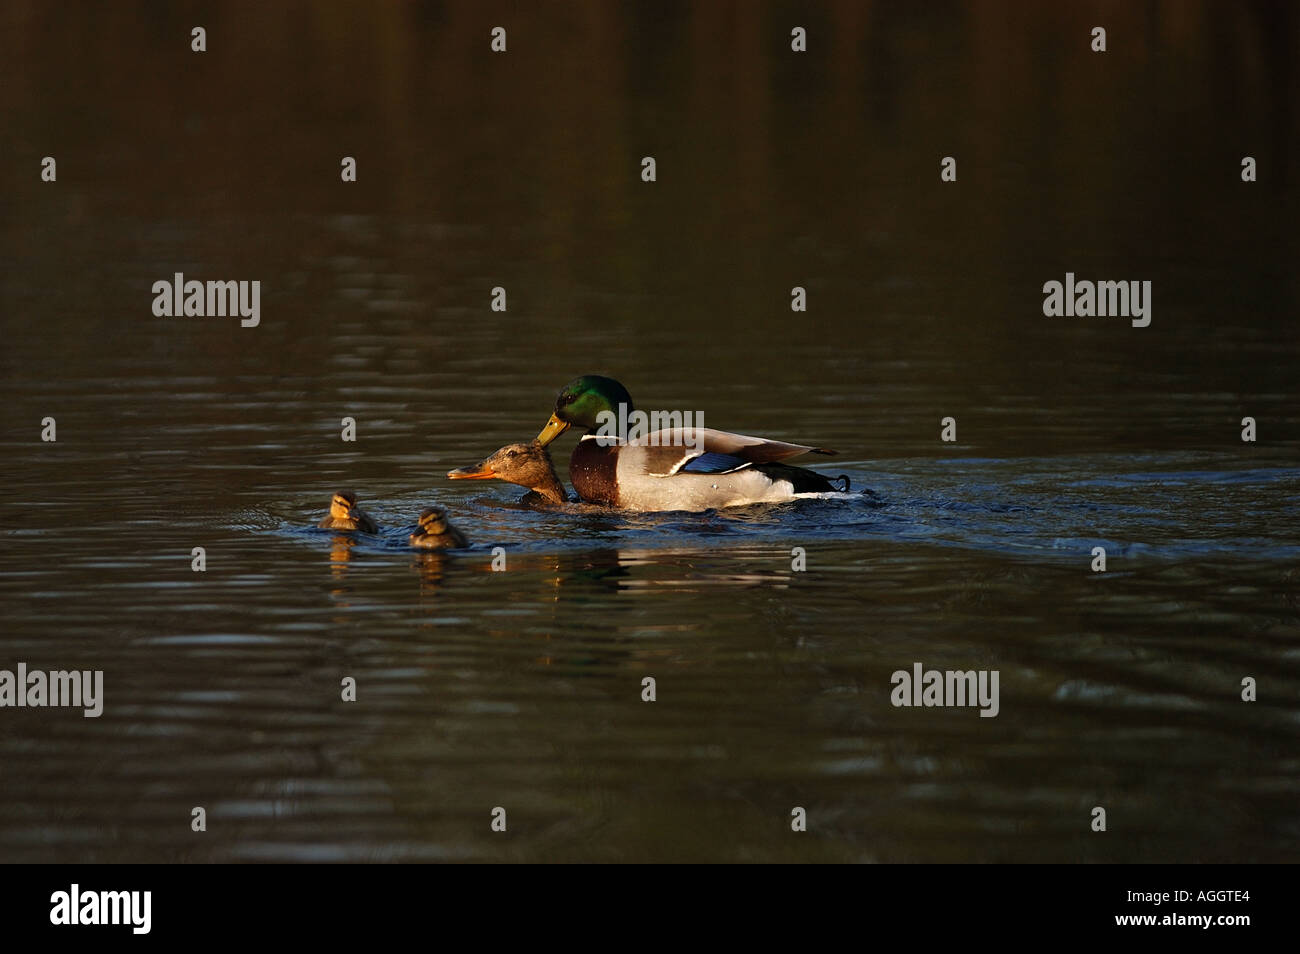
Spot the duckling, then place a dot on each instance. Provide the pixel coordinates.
(435, 533)
(346, 515)
(528, 465)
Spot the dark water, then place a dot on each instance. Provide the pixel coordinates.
(522, 688)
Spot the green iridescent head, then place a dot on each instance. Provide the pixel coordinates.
(581, 401)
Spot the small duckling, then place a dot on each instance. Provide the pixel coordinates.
(435, 533)
(528, 465)
(346, 515)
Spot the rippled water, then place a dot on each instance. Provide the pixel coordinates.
(522, 688)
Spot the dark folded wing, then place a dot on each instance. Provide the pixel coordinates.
(707, 451)
(711, 462)
(706, 439)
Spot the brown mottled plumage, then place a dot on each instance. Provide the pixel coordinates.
(436, 533)
(528, 465)
(346, 515)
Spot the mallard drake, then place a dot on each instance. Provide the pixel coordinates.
(679, 468)
(436, 533)
(346, 515)
(528, 465)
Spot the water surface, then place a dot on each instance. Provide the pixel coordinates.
(522, 688)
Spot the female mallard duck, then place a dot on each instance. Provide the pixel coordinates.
(436, 533)
(528, 465)
(682, 468)
(346, 515)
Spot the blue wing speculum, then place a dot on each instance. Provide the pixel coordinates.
(714, 463)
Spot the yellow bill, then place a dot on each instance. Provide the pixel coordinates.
(553, 429)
